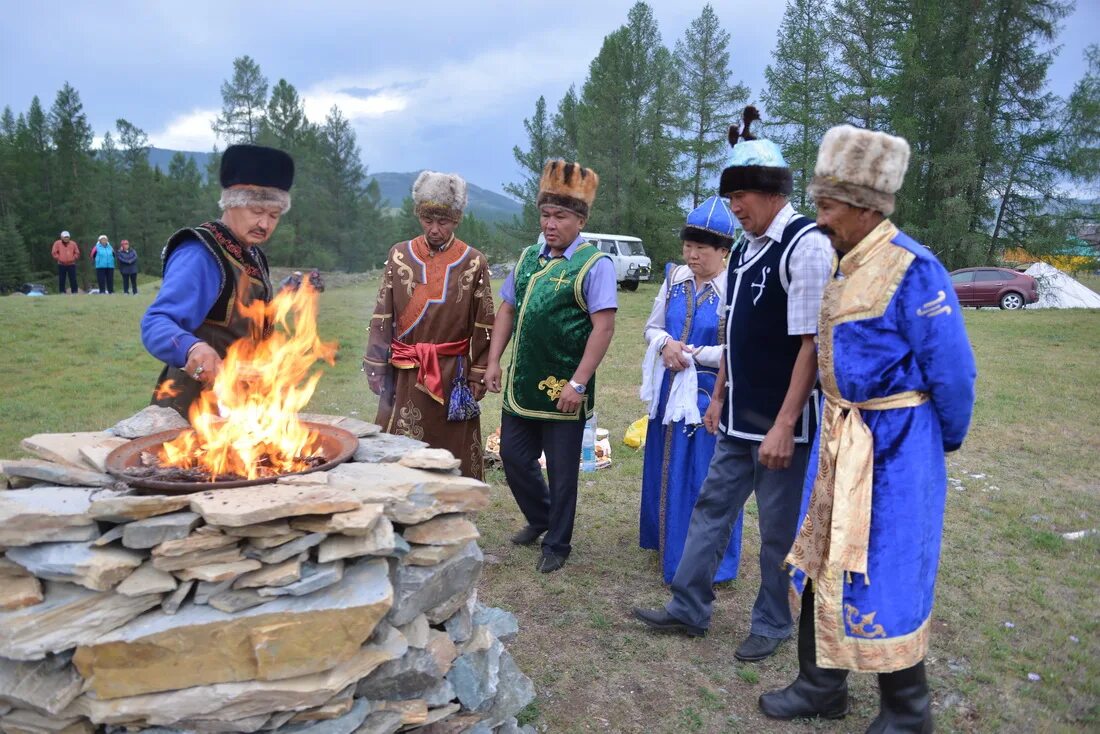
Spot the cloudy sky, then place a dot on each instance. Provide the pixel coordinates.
(426, 84)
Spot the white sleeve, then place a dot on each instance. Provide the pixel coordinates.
(708, 356)
(811, 266)
(655, 326)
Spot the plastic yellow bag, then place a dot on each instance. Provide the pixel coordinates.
(635, 435)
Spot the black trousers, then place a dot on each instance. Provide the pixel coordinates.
(105, 278)
(129, 279)
(66, 272)
(551, 507)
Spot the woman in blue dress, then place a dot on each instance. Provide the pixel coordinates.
(682, 334)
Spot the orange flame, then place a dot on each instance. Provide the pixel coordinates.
(247, 424)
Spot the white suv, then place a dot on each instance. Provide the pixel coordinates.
(632, 265)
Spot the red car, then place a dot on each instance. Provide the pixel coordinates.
(994, 287)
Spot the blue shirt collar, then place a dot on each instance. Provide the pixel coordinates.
(568, 254)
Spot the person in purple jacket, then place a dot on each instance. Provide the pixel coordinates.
(193, 320)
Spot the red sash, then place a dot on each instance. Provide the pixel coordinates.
(425, 355)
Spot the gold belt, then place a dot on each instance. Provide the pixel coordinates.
(837, 527)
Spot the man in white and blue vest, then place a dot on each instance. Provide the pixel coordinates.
(762, 408)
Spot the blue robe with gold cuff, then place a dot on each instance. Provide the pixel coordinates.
(898, 373)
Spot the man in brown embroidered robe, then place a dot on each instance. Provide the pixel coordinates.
(430, 332)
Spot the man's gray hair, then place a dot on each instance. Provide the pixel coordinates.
(245, 196)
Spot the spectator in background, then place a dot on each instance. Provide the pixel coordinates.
(66, 253)
(127, 265)
(103, 255)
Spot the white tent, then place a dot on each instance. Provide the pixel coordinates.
(1058, 290)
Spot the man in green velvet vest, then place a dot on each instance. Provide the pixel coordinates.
(560, 305)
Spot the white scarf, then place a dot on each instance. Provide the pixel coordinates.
(683, 404)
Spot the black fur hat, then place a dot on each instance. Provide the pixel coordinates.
(256, 165)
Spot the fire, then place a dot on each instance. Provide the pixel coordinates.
(247, 424)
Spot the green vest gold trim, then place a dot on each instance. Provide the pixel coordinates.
(551, 332)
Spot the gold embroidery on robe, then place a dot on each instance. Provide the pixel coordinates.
(553, 386)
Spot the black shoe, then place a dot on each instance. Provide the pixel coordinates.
(550, 561)
(662, 621)
(757, 647)
(527, 536)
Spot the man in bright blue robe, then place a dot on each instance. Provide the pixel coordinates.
(684, 326)
(898, 374)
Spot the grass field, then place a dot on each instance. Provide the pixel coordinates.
(1014, 598)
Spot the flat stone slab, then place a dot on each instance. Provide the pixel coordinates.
(205, 539)
(126, 505)
(218, 572)
(99, 569)
(348, 423)
(279, 574)
(239, 700)
(382, 541)
(53, 473)
(64, 448)
(69, 616)
(274, 541)
(502, 623)
(206, 589)
(314, 577)
(95, 454)
(250, 505)
(410, 676)
(147, 421)
(432, 459)
(45, 514)
(436, 591)
(409, 495)
(174, 601)
(452, 529)
(23, 721)
(147, 580)
(45, 686)
(287, 637)
(18, 592)
(188, 561)
(355, 522)
(232, 601)
(261, 530)
(385, 448)
(280, 553)
(346, 724)
(429, 555)
(156, 530)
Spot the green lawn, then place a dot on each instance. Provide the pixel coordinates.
(1015, 597)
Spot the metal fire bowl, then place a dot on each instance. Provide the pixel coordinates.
(335, 442)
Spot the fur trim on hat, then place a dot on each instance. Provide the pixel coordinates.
(256, 165)
(705, 237)
(769, 179)
(568, 185)
(863, 168)
(241, 196)
(439, 194)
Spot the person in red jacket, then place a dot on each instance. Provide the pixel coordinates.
(66, 253)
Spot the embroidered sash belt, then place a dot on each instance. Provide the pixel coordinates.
(836, 531)
(425, 356)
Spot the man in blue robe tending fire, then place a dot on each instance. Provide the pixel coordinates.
(898, 375)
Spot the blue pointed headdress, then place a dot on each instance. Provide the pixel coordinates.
(711, 223)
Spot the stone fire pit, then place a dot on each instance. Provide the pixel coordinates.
(339, 601)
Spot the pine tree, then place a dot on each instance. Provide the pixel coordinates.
(1080, 148)
(243, 101)
(711, 100)
(628, 109)
(863, 33)
(14, 264)
(566, 125)
(71, 138)
(801, 90)
(540, 136)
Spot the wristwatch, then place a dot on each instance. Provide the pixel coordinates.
(578, 387)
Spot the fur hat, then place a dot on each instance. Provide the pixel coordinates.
(439, 194)
(255, 174)
(711, 223)
(755, 165)
(568, 185)
(863, 168)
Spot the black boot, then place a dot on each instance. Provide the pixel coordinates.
(816, 691)
(905, 705)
